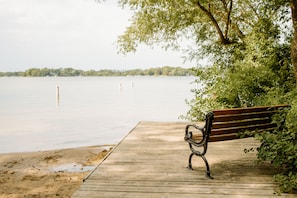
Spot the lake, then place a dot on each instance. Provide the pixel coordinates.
(87, 111)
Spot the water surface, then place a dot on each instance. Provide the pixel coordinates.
(89, 110)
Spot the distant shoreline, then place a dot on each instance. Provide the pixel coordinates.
(69, 72)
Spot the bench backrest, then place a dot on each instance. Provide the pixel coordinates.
(226, 124)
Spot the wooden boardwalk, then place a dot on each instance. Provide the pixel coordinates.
(151, 162)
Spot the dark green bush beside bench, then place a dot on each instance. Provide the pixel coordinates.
(222, 125)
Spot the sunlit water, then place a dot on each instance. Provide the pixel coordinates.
(89, 110)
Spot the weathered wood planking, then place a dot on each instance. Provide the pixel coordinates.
(151, 162)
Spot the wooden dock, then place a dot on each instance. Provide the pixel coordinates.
(151, 161)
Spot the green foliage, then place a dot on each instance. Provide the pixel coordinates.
(280, 148)
(258, 72)
(166, 22)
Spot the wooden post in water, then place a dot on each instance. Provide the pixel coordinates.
(121, 87)
(58, 95)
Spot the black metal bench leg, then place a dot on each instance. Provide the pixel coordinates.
(190, 161)
(206, 164)
(207, 167)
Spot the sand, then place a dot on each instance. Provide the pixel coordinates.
(56, 173)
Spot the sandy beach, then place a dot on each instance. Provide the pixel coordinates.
(55, 173)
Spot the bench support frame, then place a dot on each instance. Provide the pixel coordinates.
(202, 144)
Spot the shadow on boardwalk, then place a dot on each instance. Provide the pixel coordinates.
(151, 162)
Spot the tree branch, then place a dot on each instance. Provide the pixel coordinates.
(293, 5)
(223, 39)
(228, 21)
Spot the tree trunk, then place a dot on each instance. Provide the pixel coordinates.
(294, 41)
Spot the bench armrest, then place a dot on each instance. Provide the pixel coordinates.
(198, 138)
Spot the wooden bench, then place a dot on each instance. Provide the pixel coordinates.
(222, 125)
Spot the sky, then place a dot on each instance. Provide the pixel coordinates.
(80, 34)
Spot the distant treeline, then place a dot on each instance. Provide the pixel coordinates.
(161, 71)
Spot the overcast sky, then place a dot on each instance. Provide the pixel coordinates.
(71, 33)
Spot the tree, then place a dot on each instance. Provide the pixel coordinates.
(211, 24)
(251, 47)
(236, 36)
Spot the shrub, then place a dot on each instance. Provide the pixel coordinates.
(280, 147)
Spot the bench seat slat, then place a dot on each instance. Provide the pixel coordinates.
(235, 117)
(231, 136)
(249, 110)
(216, 138)
(218, 125)
(242, 129)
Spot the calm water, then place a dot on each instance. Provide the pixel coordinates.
(89, 111)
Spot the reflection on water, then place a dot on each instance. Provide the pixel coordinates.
(50, 113)
(72, 167)
(58, 95)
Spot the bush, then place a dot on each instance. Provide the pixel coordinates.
(280, 148)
